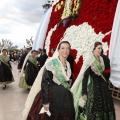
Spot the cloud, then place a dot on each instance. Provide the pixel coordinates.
(30, 10)
(4, 30)
(24, 11)
(19, 19)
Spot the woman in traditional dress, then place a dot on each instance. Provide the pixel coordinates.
(6, 76)
(30, 71)
(92, 89)
(52, 89)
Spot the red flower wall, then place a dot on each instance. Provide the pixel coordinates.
(98, 13)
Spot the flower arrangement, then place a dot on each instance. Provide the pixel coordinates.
(70, 12)
(94, 23)
(59, 6)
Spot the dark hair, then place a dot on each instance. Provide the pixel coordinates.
(34, 51)
(62, 43)
(40, 49)
(44, 50)
(4, 50)
(102, 51)
(30, 48)
(54, 49)
(96, 44)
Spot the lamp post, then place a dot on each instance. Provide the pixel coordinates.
(48, 5)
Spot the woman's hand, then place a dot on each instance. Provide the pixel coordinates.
(84, 97)
(46, 107)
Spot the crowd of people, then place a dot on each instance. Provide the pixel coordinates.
(52, 96)
(30, 64)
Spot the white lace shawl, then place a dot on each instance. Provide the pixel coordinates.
(49, 66)
(93, 68)
(88, 62)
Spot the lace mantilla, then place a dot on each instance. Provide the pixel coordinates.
(50, 67)
(94, 68)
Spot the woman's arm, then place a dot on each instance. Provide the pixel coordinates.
(45, 86)
(84, 83)
(106, 72)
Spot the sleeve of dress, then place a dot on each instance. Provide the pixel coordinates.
(106, 75)
(107, 71)
(45, 85)
(85, 81)
(25, 65)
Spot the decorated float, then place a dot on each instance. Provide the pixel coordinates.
(81, 22)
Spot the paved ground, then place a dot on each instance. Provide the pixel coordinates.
(12, 100)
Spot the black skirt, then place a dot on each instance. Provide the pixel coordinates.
(61, 105)
(99, 105)
(5, 74)
(30, 74)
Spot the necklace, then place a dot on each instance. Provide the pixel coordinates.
(98, 59)
(64, 65)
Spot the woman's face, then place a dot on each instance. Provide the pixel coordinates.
(97, 50)
(4, 52)
(64, 50)
(34, 54)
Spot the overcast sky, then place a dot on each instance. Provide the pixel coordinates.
(19, 19)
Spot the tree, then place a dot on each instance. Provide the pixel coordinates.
(29, 42)
(15, 46)
(5, 44)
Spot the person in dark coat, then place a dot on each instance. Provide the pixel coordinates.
(43, 58)
(23, 56)
(39, 57)
(12, 56)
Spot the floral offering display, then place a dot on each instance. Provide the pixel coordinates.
(91, 21)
